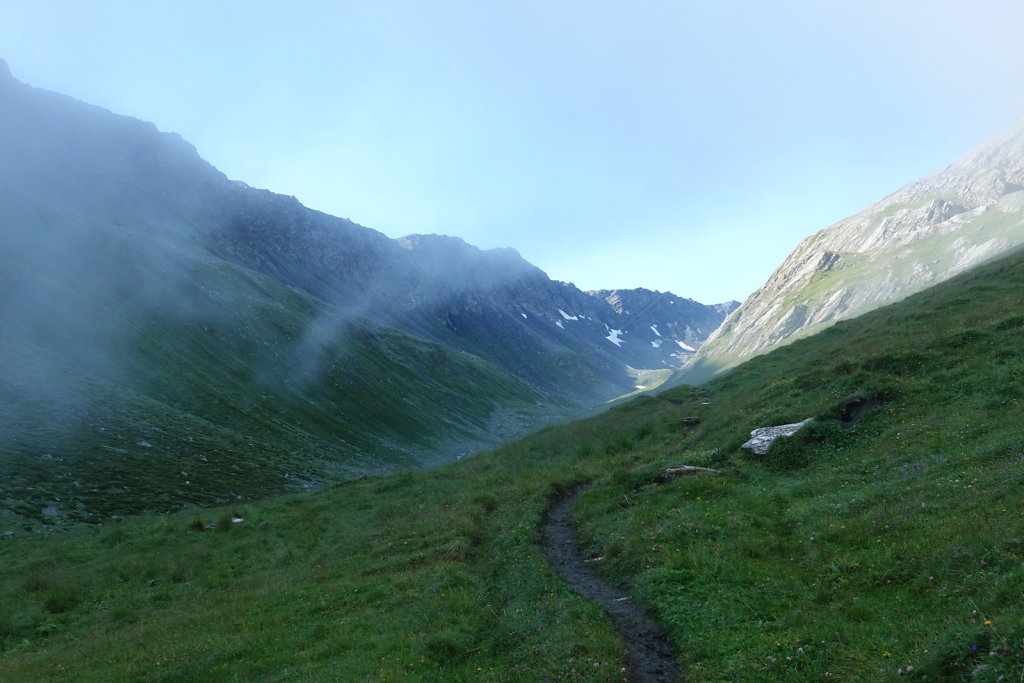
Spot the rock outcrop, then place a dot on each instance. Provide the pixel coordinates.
(683, 471)
(762, 437)
(969, 212)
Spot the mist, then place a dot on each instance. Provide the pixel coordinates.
(159, 318)
(88, 244)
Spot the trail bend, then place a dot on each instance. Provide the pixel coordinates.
(651, 655)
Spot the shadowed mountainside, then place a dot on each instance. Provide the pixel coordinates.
(170, 337)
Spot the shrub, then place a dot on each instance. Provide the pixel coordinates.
(448, 645)
(977, 653)
(787, 453)
(60, 599)
(815, 441)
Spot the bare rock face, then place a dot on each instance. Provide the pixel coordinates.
(968, 213)
(762, 437)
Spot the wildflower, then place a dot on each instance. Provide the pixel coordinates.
(988, 622)
(886, 654)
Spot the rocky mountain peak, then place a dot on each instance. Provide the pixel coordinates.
(984, 175)
(452, 263)
(435, 244)
(5, 72)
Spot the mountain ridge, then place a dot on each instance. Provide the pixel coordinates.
(156, 310)
(931, 229)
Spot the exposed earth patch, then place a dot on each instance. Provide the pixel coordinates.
(652, 658)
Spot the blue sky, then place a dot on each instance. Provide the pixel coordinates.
(682, 146)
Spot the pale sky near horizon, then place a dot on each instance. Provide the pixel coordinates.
(680, 146)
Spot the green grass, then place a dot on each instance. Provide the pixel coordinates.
(379, 579)
(221, 396)
(889, 535)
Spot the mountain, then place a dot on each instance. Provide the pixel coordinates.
(493, 304)
(171, 337)
(930, 230)
(672, 325)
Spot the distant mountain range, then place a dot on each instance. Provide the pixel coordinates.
(968, 213)
(169, 336)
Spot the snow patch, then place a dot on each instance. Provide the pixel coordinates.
(686, 347)
(654, 328)
(523, 314)
(656, 343)
(567, 316)
(614, 336)
(559, 323)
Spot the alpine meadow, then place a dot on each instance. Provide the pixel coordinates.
(885, 539)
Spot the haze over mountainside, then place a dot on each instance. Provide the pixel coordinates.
(862, 548)
(173, 337)
(930, 230)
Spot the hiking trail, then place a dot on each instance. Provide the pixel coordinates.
(651, 655)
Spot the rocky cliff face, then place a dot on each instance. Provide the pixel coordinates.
(966, 214)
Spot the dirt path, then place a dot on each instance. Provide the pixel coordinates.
(651, 656)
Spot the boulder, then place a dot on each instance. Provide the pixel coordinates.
(762, 437)
(683, 471)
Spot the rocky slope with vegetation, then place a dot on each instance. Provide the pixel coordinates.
(969, 212)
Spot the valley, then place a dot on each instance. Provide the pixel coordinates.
(241, 439)
(857, 552)
(174, 338)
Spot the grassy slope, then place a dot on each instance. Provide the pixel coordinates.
(896, 541)
(221, 396)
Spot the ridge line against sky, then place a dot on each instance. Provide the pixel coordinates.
(678, 146)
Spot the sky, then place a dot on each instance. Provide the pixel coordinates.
(680, 146)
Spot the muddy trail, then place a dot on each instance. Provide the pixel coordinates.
(651, 655)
